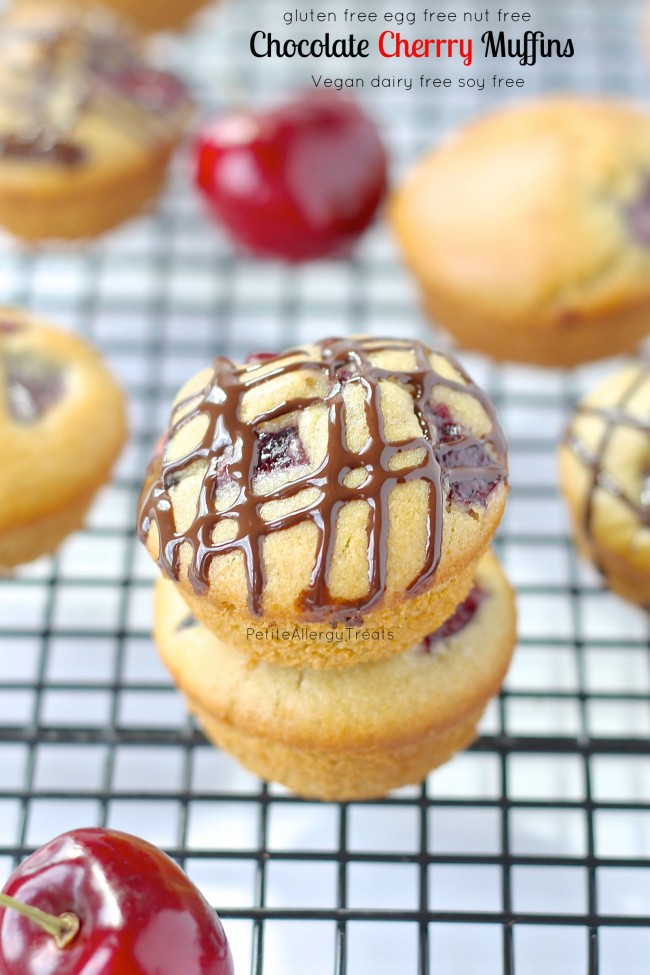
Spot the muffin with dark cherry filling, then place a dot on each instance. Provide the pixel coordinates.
(342, 488)
(87, 124)
(529, 231)
(62, 426)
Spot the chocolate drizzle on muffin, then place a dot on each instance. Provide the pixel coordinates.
(613, 417)
(242, 452)
(60, 152)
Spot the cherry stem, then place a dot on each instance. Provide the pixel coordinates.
(63, 928)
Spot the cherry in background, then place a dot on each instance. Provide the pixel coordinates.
(299, 182)
(121, 906)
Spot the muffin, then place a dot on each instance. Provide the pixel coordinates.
(151, 15)
(346, 487)
(529, 232)
(354, 733)
(87, 126)
(605, 478)
(62, 426)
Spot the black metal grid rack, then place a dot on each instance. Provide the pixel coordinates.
(526, 855)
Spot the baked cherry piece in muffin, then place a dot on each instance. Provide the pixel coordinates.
(87, 126)
(605, 478)
(350, 485)
(354, 733)
(62, 426)
(529, 231)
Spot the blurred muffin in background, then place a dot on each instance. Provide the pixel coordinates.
(605, 478)
(87, 125)
(529, 232)
(151, 15)
(62, 427)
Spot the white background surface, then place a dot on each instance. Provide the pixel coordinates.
(550, 817)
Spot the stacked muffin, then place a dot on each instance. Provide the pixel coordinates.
(322, 520)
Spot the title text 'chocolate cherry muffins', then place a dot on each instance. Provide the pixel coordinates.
(150, 15)
(351, 484)
(354, 733)
(62, 426)
(87, 126)
(605, 477)
(529, 232)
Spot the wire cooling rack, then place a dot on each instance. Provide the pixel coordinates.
(526, 855)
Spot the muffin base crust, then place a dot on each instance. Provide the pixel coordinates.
(561, 342)
(337, 776)
(24, 543)
(68, 210)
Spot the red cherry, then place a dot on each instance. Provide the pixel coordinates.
(300, 182)
(138, 913)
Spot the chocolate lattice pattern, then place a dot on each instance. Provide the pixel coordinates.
(228, 440)
(617, 415)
